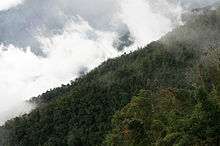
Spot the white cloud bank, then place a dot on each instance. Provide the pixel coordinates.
(6, 4)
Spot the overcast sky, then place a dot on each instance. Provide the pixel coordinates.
(6, 4)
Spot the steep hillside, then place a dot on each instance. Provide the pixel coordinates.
(173, 80)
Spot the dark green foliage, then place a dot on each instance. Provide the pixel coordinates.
(172, 110)
(145, 121)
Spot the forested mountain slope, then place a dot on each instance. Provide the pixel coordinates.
(166, 93)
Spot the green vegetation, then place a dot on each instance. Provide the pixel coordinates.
(168, 117)
(167, 93)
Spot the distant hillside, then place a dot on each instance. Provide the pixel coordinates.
(166, 93)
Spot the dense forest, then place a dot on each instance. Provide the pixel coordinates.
(167, 93)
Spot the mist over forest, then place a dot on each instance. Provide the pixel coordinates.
(49, 43)
(109, 72)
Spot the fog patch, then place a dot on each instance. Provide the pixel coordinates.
(7, 4)
(17, 110)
